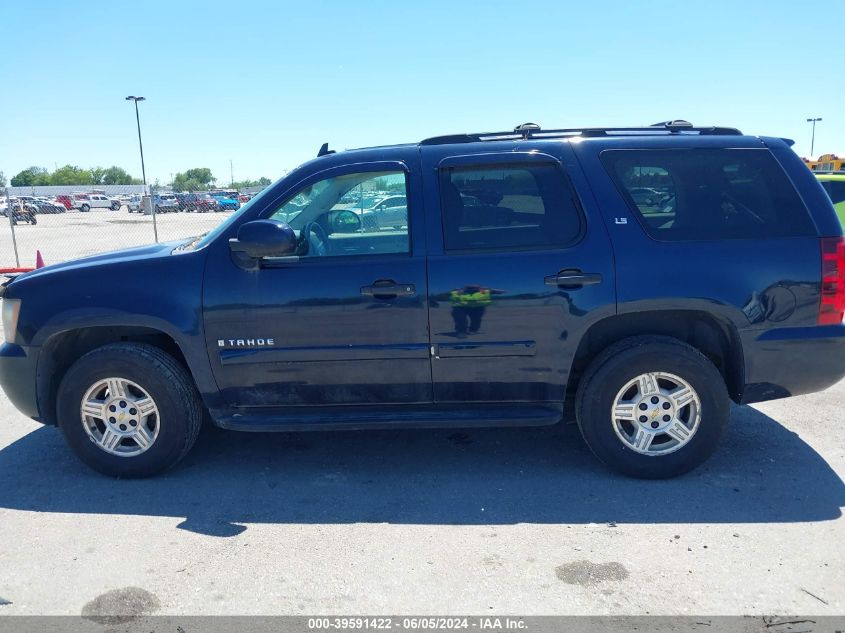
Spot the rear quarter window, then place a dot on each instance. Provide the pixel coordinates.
(709, 194)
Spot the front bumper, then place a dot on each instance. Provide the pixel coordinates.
(785, 362)
(18, 370)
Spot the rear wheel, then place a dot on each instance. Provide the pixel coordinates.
(652, 407)
(85, 208)
(129, 410)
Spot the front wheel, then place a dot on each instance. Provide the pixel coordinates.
(129, 410)
(652, 407)
(84, 208)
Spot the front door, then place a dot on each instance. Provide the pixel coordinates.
(517, 270)
(343, 323)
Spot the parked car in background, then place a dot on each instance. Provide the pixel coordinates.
(182, 199)
(38, 204)
(86, 202)
(165, 203)
(29, 202)
(389, 212)
(21, 212)
(65, 200)
(200, 202)
(205, 202)
(227, 200)
(645, 195)
(50, 205)
(133, 203)
(834, 185)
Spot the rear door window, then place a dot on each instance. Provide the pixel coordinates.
(507, 206)
(709, 194)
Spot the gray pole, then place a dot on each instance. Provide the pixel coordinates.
(12, 226)
(813, 137)
(140, 143)
(143, 169)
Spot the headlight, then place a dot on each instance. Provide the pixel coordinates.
(11, 310)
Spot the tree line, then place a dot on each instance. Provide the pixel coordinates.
(201, 179)
(196, 179)
(73, 175)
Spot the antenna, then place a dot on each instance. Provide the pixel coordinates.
(324, 150)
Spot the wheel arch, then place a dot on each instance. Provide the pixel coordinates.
(64, 348)
(716, 338)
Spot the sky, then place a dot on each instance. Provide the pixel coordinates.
(264, 84)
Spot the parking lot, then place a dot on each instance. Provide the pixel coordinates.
(73, 234)
(484, 521)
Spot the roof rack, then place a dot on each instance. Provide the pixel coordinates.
(532, 130)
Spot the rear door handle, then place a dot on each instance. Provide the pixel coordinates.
(573, 278)
(388, 289)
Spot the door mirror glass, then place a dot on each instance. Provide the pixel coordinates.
(264, 238)
(346, 221)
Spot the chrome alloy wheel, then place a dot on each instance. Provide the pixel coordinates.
(656, 413)
(120, 417)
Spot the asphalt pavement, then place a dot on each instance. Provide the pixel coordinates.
(451, 521)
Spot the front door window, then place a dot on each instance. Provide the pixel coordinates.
(353, 214)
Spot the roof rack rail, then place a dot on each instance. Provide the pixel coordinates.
(532, 130)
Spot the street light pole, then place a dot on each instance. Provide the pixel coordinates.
(143, 169)
(813, 138)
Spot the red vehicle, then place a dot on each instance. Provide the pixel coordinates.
(66, 201)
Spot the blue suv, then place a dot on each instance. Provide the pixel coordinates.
(636, 279)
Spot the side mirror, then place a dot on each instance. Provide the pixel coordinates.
(264, 238)
(346, 221)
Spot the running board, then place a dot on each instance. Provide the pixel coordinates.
(401, 416)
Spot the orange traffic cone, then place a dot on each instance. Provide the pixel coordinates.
(39, 261)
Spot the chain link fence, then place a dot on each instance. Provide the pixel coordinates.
(64, 223)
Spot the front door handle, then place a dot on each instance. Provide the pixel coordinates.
(388, 289)
(572, 278)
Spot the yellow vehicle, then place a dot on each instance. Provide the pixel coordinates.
(834, 185)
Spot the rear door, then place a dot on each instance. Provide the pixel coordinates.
(519, 265)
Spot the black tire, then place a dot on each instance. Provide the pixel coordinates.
(33, 220)
(165, 380)
(623, 362)
(115, 207)
(85, 208)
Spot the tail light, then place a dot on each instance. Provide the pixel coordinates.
(832, 307)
